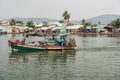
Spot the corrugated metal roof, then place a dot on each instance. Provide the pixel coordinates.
(74, 27)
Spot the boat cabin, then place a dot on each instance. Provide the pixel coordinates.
(54, 40)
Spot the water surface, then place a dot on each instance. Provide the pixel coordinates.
(95, 58)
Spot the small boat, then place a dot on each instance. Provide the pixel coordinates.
(60, 42)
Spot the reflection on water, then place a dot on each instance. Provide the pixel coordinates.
(46, 65)
(26, 56)
(97, 34)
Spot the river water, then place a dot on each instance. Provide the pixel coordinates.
(95, 58)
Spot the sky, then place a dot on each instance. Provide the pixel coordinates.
(53, 9)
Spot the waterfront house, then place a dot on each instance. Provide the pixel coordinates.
(109, 28)
(100, 27)
(3, 29)
(74, 28)
(118, 30)
(4, 23)
(18, 29)
(85, 29)
(46, 29)
(56, 24)
(103, 31)
(39, 25)
(94, 29)
(57, 29)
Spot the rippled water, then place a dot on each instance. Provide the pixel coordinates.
(95, 58)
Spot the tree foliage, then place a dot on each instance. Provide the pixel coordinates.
(94, 25)
(30, 24)
(66, 16)
(115, 23)
(61, 21)
(84, 23)
(88, 24)
(12, 22)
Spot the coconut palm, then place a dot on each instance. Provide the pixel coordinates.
(83, 22)
(66, 16)
(30, 24)
(12, 22)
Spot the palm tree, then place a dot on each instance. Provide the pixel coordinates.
(12, 22)
(83, 22)
(30, 24)
(66, 16)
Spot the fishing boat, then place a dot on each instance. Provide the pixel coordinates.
(60, 42)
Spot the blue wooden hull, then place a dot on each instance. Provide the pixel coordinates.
(26, 48)
(32, 48)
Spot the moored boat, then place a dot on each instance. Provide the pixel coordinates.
(61, 42)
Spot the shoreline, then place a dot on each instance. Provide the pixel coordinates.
(77, 33)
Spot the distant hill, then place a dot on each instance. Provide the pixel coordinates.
(103, 19)
(37, 20)
(75, 22)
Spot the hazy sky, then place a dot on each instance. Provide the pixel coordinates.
(78, 9)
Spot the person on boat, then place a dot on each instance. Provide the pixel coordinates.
(73, 42)
(65, 43)
(23, 41)
(13, 30)
(62, 44)
(53, 37)
(70, 42)
(18, 42)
